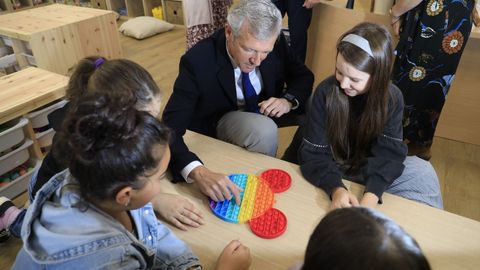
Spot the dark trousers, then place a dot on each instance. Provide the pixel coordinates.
(298, 22)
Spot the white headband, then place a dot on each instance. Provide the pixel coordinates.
(360, 42)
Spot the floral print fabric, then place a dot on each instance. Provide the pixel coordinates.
(432, 40)
(199, 32)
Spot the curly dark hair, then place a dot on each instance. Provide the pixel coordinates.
(110, 144)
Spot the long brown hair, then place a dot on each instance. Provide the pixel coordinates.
(349, 139)
(117, 77)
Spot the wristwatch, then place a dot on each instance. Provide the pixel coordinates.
(291, 98)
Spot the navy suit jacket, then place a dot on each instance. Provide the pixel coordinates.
(205, 90)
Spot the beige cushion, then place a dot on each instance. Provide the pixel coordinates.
(144, 26)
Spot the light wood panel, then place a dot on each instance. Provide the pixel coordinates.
(458, 168)
(28, 89)
(460, 119)
(328, 23)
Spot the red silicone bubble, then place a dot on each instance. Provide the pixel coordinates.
(278, 180)
(270, 225)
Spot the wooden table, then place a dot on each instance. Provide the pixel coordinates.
(20, 93)
(28, 89)
(57, 36)
(449, 241)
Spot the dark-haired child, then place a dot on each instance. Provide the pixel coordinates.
(98, 213)
(360, 238)
(121, 79)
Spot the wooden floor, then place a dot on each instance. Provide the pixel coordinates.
(457, 164)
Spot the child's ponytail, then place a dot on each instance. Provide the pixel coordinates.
(78, 83)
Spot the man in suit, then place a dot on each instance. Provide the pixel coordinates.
(231, 86)
(299, 16)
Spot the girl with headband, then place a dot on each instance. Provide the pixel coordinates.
(354, 128)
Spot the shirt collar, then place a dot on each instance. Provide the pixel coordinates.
(234, 65)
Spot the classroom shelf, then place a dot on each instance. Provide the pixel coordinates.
(133, 8)
(26, 98)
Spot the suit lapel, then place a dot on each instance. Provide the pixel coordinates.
(225, 75)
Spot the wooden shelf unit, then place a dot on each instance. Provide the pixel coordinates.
(133, 8)
(22, 92)
(173, 11)
(56, 37)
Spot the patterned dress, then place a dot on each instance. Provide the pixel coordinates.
(199, 32)
(431, 43)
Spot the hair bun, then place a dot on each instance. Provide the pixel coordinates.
(98, 121)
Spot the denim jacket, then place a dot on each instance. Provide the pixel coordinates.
(62, 231)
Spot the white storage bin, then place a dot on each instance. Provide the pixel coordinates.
(45, 138)
(30, 59)
(8, 60)
(4, 51)
(15, 158)
(7, 41)
(39, 119)
(13, 135)
(19, 185)
(27, 46)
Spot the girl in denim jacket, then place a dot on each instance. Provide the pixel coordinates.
(97, 214)
(117, 77)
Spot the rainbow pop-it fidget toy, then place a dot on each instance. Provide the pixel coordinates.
(270, 225)
(256, 205)
(256, 199)
(278, 180)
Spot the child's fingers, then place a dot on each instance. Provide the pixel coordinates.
(354, 201)
(192, 208)
(188, 220)
(232, 246)
(195, 215)
(178, 224)
(244, 249)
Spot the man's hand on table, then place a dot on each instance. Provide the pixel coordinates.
(215, 185)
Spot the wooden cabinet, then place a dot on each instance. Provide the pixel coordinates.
(56, 37)
(133, 8)
(22, 92)
(173, 11)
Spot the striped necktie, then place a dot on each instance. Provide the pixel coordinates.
(251, 97)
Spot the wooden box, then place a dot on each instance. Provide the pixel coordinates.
(133, 8)
(56, 37)
(101, 4)
(173, 11)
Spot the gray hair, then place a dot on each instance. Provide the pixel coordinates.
(263, 18)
